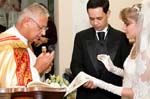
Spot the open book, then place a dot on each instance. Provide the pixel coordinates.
(78, 81)
(44, 84)
(37, 83)
(52, 82)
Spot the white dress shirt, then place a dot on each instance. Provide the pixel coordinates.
(105, 30)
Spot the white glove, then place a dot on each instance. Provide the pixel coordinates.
(109, 87)
(105, 59)
(82, 77)
(103, 85)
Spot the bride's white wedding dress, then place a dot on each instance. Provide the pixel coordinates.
(129, 73)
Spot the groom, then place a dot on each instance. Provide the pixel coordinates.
(89, 43)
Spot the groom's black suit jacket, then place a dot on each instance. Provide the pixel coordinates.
(86, 48)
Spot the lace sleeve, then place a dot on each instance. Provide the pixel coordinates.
(141, 86)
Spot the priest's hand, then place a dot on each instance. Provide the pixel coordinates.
(44, 62)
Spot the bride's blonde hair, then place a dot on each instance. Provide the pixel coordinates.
(130, 13)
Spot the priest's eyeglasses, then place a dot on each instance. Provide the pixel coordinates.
(41, 28)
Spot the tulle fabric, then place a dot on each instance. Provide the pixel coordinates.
(141, 84)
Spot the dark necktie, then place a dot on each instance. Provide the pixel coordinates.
(101, 35)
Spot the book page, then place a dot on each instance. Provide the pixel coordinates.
(78, 81)
(37, 84)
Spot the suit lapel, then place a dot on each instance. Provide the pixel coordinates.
(112, 45)
(91, 47)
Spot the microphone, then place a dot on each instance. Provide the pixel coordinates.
(51, 48)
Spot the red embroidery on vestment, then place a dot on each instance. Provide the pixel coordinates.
(9, 38)
(23, 71)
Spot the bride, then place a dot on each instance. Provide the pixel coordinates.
(136, 73)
